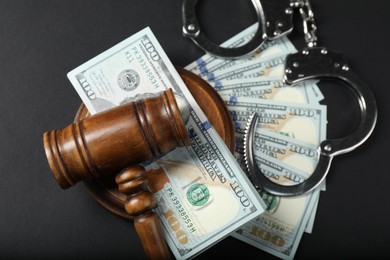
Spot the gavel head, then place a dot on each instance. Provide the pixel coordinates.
(105, 143)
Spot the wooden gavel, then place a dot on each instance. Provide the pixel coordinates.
(117, 141)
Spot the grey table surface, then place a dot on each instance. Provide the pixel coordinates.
(42, 40)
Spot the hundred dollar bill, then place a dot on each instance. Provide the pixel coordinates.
(250, 84)
(279, 230)
(193, 200)
(297, 154)
(267, 50)
(291, 151)
(271, 66)
(271, 88)
(301, 155)
(207, 63)
(304, 122)
(278, 171)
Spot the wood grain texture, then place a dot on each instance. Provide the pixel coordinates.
(95, 147)
(104, 190)
(140, 203)
(212, 105)
(107, 142)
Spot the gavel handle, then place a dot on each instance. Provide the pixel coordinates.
(140, 203)
(148, 228)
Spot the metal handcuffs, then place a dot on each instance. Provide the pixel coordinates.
(274, 18)
(311, 62)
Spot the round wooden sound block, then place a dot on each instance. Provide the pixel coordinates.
(105, 191)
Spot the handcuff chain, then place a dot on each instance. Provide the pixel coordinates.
(309, 26)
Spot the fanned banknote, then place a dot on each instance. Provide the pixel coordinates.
(291, 122)
(301, 121)
(204, 195)
(285, 149)
(271, 88)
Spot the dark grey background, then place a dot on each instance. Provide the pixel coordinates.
(42, 40)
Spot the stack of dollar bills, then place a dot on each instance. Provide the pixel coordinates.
(204, 194)
(291, 126)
